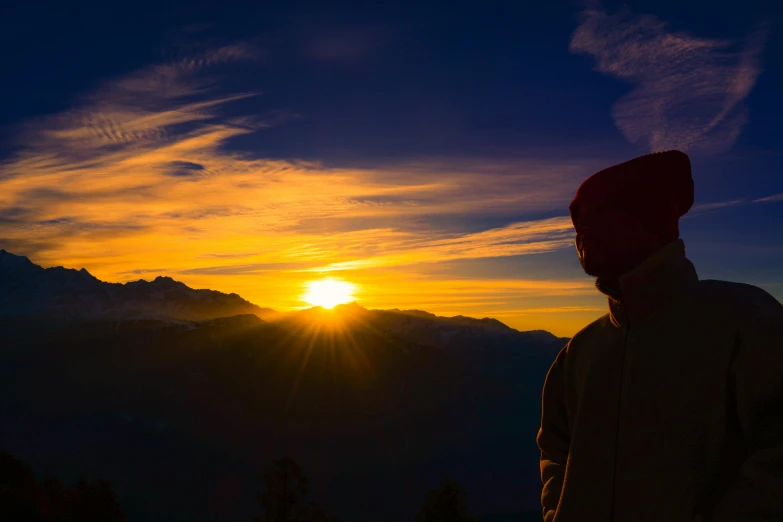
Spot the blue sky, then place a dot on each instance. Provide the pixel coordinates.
(426, 152)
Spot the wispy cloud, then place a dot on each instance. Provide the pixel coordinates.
(688, 91)
(534, 237)
(143, 106)
(550, 310)
(709, 207)
(770, 199)
(136, 179)
(720, 205)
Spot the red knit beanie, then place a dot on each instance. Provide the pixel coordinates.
(656, 189)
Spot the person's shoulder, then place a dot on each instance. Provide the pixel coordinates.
(590, 333)
(739, 300)
(742, 294)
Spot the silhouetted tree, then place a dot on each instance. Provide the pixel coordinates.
(286, 486)
(94, 503)
(22, 499)
(446, 504)
(56, 498)
(315, 513)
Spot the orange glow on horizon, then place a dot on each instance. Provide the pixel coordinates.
(135, 181)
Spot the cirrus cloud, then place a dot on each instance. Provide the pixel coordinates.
(688, 91)
(137, 178)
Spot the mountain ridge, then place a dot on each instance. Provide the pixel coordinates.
(77, 293)
(27, 288)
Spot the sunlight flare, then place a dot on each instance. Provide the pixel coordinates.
(329, 292)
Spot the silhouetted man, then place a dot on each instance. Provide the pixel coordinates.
(670, 407)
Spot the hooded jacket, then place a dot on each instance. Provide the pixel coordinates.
(670, 407)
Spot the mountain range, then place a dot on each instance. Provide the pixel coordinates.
(27, 288)
(182, 397)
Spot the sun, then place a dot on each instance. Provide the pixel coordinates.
(329, 292)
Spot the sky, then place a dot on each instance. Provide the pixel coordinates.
(424, 152)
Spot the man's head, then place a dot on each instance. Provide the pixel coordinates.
(625, 213)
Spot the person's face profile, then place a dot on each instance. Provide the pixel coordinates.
(608, 240)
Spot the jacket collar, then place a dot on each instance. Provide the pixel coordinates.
(640, 292)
